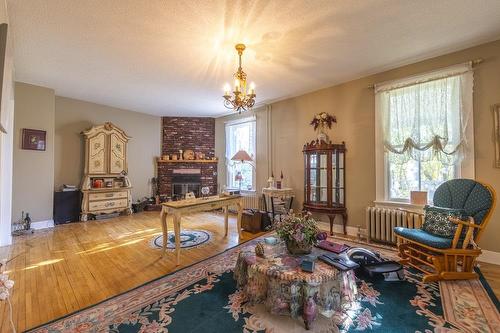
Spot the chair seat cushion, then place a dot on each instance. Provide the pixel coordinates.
(424, 237)
(437, 221)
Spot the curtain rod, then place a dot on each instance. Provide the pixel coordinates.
(472, 62)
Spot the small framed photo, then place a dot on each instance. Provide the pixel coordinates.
(33, 139)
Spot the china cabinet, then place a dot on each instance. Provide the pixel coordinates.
(105, 186)
(324, 180)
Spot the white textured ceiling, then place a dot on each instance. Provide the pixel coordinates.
(173, 57)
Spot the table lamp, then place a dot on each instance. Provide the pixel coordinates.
(243, 157)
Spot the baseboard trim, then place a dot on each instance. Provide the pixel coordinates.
(42, 224)
(490, 257)
(337, 228)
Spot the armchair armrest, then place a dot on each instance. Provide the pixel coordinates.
(470, 225)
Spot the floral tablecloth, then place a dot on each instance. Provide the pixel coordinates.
(278, 281)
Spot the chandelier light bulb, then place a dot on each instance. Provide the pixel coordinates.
(227, 89)
(252, 88)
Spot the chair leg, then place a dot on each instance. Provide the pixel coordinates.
(458, 276)
(431, 278)
(402, 248)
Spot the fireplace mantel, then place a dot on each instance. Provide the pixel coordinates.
(187, 161)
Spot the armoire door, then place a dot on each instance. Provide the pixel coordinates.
(97, 154)
(117, 152)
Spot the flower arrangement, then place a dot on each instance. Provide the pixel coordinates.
(299, 232)
(5, 286)
(322, 120)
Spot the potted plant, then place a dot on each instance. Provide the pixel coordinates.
(298, 232)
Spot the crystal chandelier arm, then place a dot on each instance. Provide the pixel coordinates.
(229, 104)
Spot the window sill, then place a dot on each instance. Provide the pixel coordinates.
(242, 191)
(248, 191)
(399, 204)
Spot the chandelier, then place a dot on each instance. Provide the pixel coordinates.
(240, 99)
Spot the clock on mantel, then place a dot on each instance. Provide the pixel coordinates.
(324, 180)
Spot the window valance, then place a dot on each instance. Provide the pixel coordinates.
(426, 116)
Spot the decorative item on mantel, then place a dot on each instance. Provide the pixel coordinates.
(299, 232)
(320, 122)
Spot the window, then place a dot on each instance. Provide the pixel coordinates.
(426, 131)
(240, 135)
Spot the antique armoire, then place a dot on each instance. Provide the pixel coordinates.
(106, 187)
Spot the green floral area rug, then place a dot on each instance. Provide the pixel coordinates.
(205, 298)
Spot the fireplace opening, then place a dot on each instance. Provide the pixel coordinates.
(185, 183)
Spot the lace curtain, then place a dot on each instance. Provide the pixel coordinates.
(240, 134)
(425, 117)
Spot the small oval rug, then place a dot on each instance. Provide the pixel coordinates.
(189, 239)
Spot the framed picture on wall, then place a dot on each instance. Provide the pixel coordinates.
(496, 124)
(33, 139)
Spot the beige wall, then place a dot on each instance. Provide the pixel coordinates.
(74, 116)
(353, 104)
(33, 176)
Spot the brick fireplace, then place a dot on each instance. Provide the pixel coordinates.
(182, 133)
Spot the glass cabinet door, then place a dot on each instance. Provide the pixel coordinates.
(318, 177)
(338, 180)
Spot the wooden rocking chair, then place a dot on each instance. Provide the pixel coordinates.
(445, 258)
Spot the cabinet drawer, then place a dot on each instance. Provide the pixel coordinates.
(108, 204)
(107, 195)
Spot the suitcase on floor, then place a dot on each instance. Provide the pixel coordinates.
(251, 221)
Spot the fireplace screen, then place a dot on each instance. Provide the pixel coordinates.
(182, 184)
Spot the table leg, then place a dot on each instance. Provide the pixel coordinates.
(331, 218)
(164, 229)
(344, 222)
(226, 220)
(271, 198)
(240, 214)
(177, 231)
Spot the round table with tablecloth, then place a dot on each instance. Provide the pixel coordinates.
(278, 281)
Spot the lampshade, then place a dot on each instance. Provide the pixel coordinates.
(242, 156)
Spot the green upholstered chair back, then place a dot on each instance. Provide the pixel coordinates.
(473, 197)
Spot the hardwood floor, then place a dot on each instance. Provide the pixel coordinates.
(64, 269)
(60, 270)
